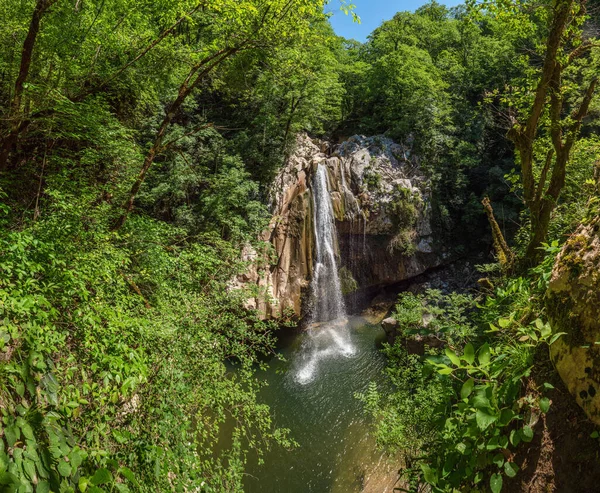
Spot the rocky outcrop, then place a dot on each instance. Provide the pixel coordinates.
(574, 307)
(381, 202)
(390, 326)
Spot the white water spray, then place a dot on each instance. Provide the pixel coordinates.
(328, 335)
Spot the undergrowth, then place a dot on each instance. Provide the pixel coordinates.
(459, 411)
(113, 352)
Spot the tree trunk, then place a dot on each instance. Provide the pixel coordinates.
(10, 141)
(546, 200)
(504, 253)
(157, 147)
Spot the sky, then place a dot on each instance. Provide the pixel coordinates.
(372, 13)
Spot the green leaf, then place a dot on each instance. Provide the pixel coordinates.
(492, 444)
(429, 474)
(12, 434)
(506, 416)
(102, 476)
(76, 457)
(128, 474)
(43, 487)
(511, 469)
(498, 460)
(503, 441)
(595, 434)
(544, 404)
(496, 483)
(469, 354)
(555, 337)
(27, 431)
(527, 434)
(480, 401)
(546, 331)
(83, 484)
(453, 357)
(515, 437)
(467, 388)
(64, 468)
(484, 355)
(484, 419)
(29, 469)
(504, 322)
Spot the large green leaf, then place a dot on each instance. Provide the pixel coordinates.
(484, 355)
(429, 474)
(496, 483)
(484, 419)
(452, 356)
(527, 434)
(469, 354)
(64, 468)
(101, 476)
(467, 388)
(511, 469)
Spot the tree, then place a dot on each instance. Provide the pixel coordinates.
(235, 27)
(41, 8)
(547, 125)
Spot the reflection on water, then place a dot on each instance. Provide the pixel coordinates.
(312, 394)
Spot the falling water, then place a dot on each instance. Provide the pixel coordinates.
(329, 336)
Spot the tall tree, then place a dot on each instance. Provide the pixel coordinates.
(14, 114)
(246, 25)
(555, 112)
(84, 49)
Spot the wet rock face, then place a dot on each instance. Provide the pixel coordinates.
(574, 306)
(381, 203)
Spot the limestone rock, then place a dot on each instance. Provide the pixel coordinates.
(381, 203)
(574, 307)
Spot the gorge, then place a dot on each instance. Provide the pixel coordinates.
(242, 253)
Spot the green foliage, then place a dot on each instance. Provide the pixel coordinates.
(487, 416)
(127, 361)
(457, 413)
(421, 78)
(113, 355)
(404, 211)
(348, 283)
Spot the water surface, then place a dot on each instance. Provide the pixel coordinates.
(337, 452)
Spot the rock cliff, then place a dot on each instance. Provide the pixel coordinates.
(574, 306)
(381, 202)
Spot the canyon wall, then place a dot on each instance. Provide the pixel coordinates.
(382, 205)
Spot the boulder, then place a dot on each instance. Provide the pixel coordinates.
(390, 325)
(574, 308)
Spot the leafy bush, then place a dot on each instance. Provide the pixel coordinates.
(113, 351)
(457, 413)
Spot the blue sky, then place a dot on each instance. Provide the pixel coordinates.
(372, 13)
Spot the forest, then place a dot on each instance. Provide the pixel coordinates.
(140, 142)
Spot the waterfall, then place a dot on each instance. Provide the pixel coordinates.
(326, 290)
(328, 334)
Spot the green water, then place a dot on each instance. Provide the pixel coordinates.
(336, 453)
